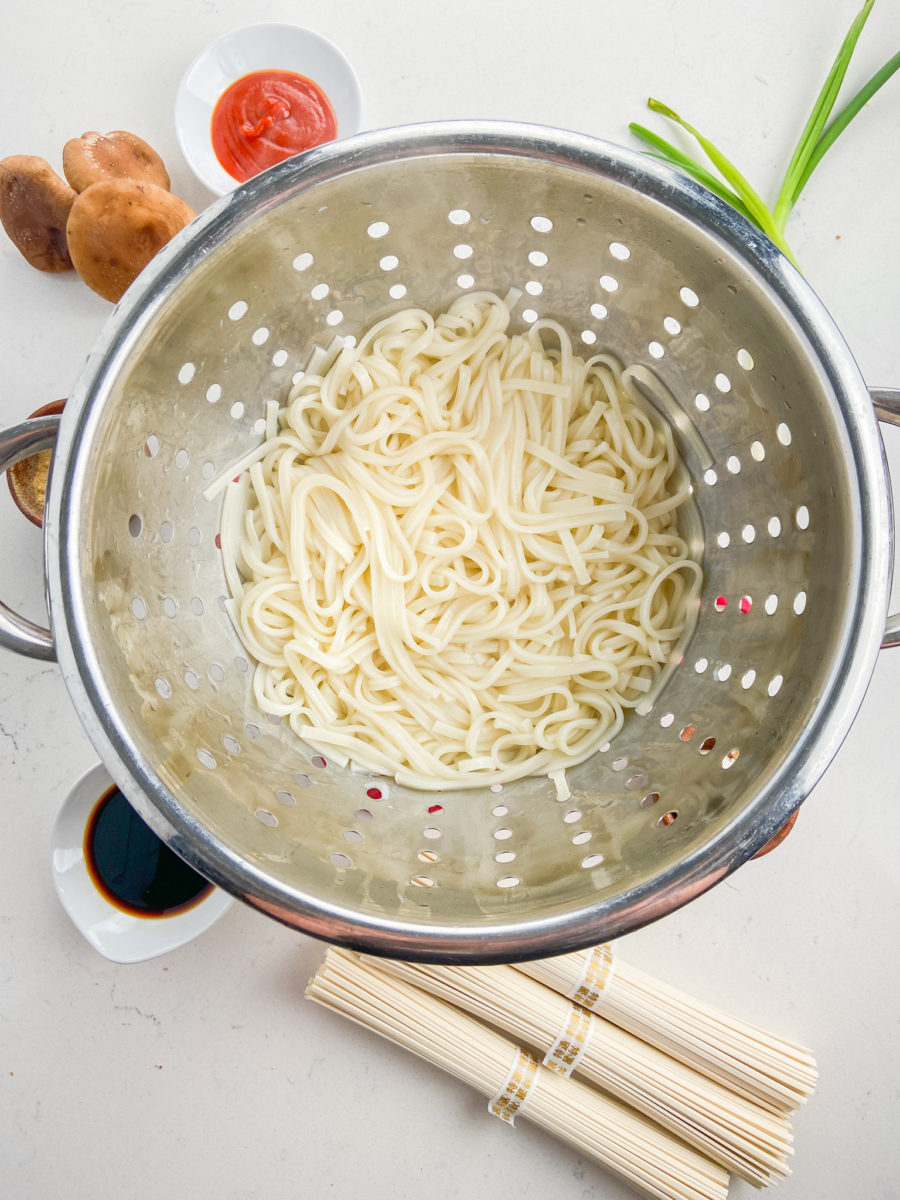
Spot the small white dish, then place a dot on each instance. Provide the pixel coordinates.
(114, 933)
(276, 47)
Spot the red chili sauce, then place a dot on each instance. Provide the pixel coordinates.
(265, 117)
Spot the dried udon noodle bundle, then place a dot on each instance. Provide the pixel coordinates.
(455, 559)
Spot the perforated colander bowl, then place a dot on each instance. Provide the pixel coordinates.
(774, 423)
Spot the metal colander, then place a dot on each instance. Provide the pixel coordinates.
(775, 425)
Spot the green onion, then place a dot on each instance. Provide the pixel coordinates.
(815, 140)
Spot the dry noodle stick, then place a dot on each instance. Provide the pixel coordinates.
(733, 1131)
(627, 1144)
(777, 1074)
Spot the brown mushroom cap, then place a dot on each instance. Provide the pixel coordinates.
(116, 227)
(118, 155)
(34, 208)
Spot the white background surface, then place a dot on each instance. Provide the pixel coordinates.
(206, 1072)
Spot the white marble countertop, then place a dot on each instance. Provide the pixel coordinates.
(206, 1072)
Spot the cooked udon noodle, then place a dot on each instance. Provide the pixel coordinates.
(455, 558)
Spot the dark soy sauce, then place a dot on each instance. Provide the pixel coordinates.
(132, 868)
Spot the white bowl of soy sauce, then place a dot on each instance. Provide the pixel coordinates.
(130, 896)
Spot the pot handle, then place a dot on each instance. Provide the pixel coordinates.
(18, 633)
(887, 409)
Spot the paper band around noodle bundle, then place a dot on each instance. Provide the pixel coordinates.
(513, 1096)
(596, 976)
(568, 1050)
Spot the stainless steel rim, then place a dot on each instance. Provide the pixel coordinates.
(859, 638)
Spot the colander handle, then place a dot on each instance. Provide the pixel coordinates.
(887, 409)
(18, 633)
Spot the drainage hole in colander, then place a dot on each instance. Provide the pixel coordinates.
(319, 291)
(151, 446)
(266, 818)
(619, 764)
(588, 337)
(135, 525)
(720, 603)
(656, 350)
(139, 608)
(745, 359)
(192, 680)
(435, 808)
(533, 287)
(285, 797)
(723, 540)
(164, 688)
(396, 292)
(378, 229)
(537, 258)
(689, 297)
(710, 477)
(668, 818)
(253, 731)
(364, 814)
(499, 810)
(748, 533)
(592, 860)
(302, 780)
(279, 358)
(748, 679)
(170, 607)
(508, 881)
(775, 685)
(274, 719)
(214, 393)
(603, 749)
(318, 761)
(579, 839)
(757, 451)
(670, 325)
(303, 261)
(422, 881)
(238, 309)
(206, 759)
(746, 604)
(340, 860)
(800, 603)
(241, 663)
(216, 672)
(459, 216)
(541, 224)
(428, 856)
(431, 833)
(389, 263)
(502, 834)
(619, 251)
(783, 433)
(572, 816)
(723, 672)
(687, 732)
(771, 604)
(352, 835)
(260, 336)
(634, 782)
(496, 787)
(374, 793)
(186, 372)
(723, 383)
(701, 402)
(505, 856)
(666, 719)
(231, 744)
(195, 537)
(707, 745)
(237, 410)
(730, 758)
(774, 527)
(801, 517)
(529, 315)
(336, 316)
(599, 311)
(609, 283)
(650, 799)
(733, 463)
(166, 531)
(465, 281)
